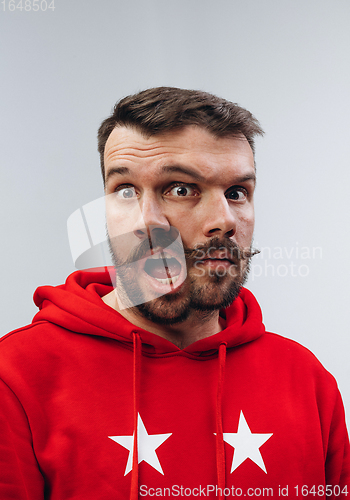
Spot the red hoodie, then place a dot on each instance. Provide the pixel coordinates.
(241, 413)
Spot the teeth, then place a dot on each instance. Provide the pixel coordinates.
(167, 255)
(168, 281)
(155, 256)
(158, 255)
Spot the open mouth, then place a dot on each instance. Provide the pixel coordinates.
(163, 267)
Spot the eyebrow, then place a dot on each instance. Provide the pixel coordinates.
(247, 177)
(183, 170)
(180, 170)
(165, 170)
(117, 170)
(199, 178)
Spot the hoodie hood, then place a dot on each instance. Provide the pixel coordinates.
(77, 306)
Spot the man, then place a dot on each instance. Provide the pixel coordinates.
(166, 384)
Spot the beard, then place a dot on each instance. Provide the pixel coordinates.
(203, 291)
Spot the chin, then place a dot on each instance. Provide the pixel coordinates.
(163, 312)
(216, 299)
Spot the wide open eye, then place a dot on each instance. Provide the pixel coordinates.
(237, 193)
(125, 192)
(183, 190)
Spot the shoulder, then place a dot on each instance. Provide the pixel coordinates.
(31, 346)
(20, 336)
(293, 360)
(288, 347)
(281, 359)
(27, 334)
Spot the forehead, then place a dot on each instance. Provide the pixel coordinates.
(192, 145)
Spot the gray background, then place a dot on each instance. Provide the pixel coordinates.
(286, 61)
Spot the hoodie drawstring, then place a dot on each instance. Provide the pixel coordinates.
(134, 490)
(220, 450)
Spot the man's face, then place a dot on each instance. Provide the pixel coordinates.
(186, 182)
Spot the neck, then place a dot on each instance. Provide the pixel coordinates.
(197, 326)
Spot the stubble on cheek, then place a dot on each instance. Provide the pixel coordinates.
(206, 288)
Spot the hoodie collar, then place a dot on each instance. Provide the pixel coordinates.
(77, 306)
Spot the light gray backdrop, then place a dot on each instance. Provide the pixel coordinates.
(285, 60)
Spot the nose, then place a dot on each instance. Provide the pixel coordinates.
(151, 219)
(219, 218)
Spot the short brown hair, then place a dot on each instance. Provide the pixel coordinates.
(162, 109)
